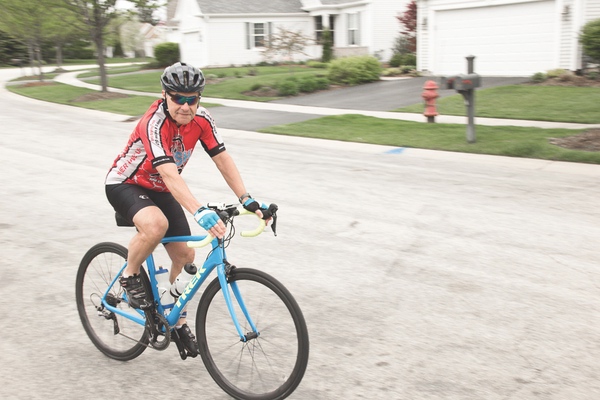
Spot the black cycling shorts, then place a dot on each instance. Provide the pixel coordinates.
(128, 199)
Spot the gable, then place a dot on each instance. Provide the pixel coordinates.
(250, 6)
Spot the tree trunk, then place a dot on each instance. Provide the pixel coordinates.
(38, 57)
(99, 42)
(59, 55)
(31, 54)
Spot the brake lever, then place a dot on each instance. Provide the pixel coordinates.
(274, 224)
(272, 213)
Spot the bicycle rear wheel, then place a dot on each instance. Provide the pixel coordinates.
(115, 336)
(266, 367)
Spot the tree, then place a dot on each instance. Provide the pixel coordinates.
(27, 21)
(285, 42)
(590, 40)
(95, 14)
(145, 10)
(11, 49)
(409, 22)
(327, 46)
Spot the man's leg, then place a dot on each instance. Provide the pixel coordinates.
(151, 225)
(180, 255)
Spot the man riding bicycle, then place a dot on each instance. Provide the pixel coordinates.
(145, 187)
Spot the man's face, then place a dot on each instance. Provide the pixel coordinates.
(179, 108)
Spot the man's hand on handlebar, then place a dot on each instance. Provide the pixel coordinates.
(210, 221)
(254, 206)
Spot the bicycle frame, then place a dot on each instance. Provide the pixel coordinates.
(216, 259)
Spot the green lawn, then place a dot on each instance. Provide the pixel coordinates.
(539, 103)
(65, 94)
(228, 87)
(499, 140)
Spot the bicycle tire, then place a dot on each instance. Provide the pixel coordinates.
(96, 271)
(277, 358)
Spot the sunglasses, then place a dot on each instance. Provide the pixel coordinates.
(181, 100)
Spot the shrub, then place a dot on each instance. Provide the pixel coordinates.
(354, 70)
(288, 87)
(594, 75)
(166, 53)
(308, 84)
(409, 59)
(555, 73)
(538, 77)
(396, 60)
(322, 83)
(399, 59)
(407, 69)
(590, 39)
(566, 77)
(256, 86)
(392, 72)
(317, 64)
(253, 72)
(221, 74)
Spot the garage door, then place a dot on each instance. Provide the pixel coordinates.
(507, 40)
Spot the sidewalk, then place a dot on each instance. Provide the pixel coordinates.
(70, 78)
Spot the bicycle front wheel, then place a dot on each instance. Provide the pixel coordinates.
(114, 335)
(264, 367)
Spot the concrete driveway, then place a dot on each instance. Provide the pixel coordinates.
(422, 274)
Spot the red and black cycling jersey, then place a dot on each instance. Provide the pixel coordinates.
(158, 140)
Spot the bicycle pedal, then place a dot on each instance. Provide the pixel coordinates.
(180, 347)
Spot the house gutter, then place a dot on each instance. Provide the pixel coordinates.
(336, 7)
(262, 15)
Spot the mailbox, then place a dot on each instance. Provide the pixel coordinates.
(447, 82)
(467, 82)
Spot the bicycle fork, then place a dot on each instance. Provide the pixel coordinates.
(223, 270)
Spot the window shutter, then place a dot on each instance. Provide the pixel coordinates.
(349, 32)
(248, 37)
(358, 18)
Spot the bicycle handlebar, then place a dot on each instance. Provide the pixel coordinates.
(240, 210)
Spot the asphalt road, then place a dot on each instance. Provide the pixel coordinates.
(384, 95)
(422, 274)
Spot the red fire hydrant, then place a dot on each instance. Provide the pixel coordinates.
(430, 94)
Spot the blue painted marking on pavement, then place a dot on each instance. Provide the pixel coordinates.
(398, 150)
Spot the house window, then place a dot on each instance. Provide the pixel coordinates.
(319, 28)
(257, 33)
(354, 29)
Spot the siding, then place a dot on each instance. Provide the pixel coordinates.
(592, 10)
(385, 27)
(566, 52)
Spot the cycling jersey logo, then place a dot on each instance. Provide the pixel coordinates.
(180, 155)
(143, 197)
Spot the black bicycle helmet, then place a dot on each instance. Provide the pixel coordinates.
(184, 78)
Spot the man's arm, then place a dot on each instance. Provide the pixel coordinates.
(230, 173)
(232, 176)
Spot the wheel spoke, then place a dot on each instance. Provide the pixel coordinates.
(270, 365)
(96, 272)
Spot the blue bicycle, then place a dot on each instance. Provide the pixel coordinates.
(251, 332)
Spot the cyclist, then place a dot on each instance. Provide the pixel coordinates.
(145, 187)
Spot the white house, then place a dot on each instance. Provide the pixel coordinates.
(507, 37)
(232, 32)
